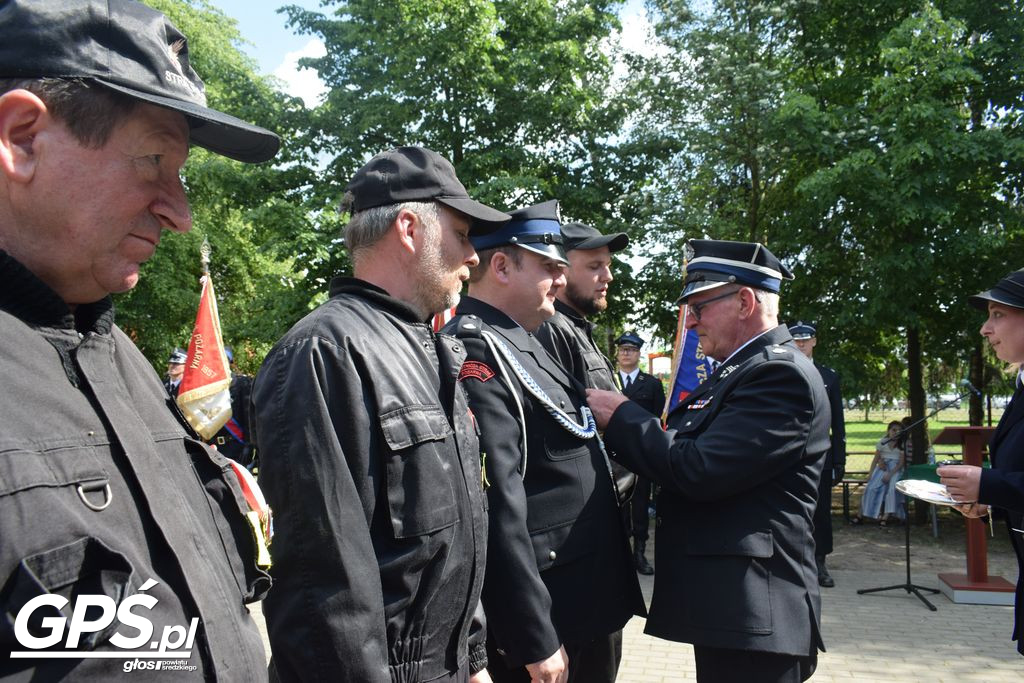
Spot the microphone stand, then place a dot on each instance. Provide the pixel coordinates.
(909, 586)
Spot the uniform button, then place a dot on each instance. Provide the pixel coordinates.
(426, 345)
(561, 404)
(552, 555)
(689, 423)
(456, 348)
(657, 521)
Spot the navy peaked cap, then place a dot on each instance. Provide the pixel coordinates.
(721, 262)
(178, 357)
(536, 228)
(631, 339)
(803, 330)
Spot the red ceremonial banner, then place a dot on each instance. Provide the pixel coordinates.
(204, 395)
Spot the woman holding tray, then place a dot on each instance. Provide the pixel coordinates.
(1001, 487)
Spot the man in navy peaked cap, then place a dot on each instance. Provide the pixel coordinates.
(645, 390)
(806, 337)
(738, 464)
(559, 585)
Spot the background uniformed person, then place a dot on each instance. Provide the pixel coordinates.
(806, 338)
(234, 439)
(559, 584)
(645, 390)
(106, 491)
(368, 453)
(175, 371)
(738, 467)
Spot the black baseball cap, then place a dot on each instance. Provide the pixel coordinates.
(418, 174)
(580, 236)
(127, 47)
(1009, 291)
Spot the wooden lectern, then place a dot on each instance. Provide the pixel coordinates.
(975, 587)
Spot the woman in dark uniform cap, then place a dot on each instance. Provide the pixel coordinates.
(1001, 487)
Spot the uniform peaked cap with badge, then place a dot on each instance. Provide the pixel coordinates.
(535, 228)
(720, 262)
(803, 330)
(127, 47)
(418, 174)
(178, 357)
(629, 339)
(1009, 291)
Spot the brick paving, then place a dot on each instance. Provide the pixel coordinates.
(886, 637)
(883, 637)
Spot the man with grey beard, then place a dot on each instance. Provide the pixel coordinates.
(368, 453)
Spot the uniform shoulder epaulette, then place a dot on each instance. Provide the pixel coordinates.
(468, 326)
(776, 352)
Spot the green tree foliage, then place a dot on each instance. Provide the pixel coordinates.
(252, 215)
(517, 93)
(875, 148)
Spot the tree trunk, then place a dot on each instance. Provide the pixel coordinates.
(976, 376)
(915, 377)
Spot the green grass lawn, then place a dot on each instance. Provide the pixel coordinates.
(861, 435)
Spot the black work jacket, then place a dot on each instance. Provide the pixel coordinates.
(558, 567)
(103, 487)
(569, 337)
(370, 460)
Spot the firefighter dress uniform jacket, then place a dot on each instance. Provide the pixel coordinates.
(558, 564)
(369, 457)
(104, 490)
(738, 467)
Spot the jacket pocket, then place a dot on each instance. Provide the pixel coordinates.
(420, 469)
(228, 510)
(735, 580)
(559, 444)
(563, 544)
(83, 567)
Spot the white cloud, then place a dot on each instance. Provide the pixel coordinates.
(300, 82)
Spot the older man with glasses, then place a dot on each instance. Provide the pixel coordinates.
(738, 466)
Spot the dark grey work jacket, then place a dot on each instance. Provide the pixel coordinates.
(370, 460)
(85, 421)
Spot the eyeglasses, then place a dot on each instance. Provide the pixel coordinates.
(698, 308)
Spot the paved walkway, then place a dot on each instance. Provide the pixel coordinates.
(884, 637)
(881, 638)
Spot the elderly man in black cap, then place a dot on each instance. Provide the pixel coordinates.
(559, 584)
(645, 390)
(1000, 490)
(368, 453)
(107, 497)
(806, 338)
(738, 466)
